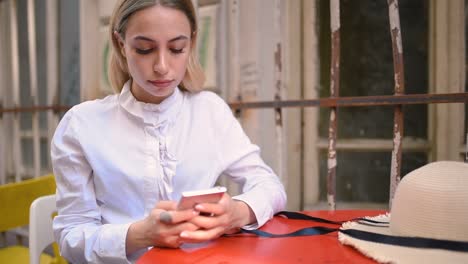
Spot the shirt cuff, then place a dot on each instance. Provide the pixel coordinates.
(259, 208)
(112, 242)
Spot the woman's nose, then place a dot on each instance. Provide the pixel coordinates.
(160, 65)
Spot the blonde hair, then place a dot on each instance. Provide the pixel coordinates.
(118, 70)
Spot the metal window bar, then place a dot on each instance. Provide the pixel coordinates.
(345, 101)
(33, 86)
(398, 67)
(334, 93)
(278, 81)
(3, 76)
(52, 22)
(17, 155)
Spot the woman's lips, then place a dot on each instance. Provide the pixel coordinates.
(161, 83)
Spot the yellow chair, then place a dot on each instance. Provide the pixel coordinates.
(15, 201)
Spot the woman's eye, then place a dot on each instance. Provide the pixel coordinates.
(177, 51)
(144, 51)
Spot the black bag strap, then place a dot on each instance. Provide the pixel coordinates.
(308, 231)
(301, 216)
(416, 242)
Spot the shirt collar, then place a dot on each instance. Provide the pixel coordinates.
(155, 114)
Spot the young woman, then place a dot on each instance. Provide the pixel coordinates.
(121, 163)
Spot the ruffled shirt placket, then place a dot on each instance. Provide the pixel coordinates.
(167, 161)
(161, 163)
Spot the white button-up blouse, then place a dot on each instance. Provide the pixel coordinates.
(115, 158)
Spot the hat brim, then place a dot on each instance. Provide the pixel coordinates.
(386, 253)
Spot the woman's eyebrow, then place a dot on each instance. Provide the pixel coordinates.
(181, 37)
(143, 38)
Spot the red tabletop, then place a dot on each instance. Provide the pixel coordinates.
(252, 249)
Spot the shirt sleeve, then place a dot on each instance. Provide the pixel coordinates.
(262, 190)
(78, 228)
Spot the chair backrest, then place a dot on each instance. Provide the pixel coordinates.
(41, 234)
(16, 198)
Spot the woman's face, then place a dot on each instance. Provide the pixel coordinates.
(157, 46)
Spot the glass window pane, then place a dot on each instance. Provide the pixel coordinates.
(27, 151)
(24, 76)
(366, 69)
(365, 176)
(367, 66)
(41, 49)
(69, 52)
(44, 145)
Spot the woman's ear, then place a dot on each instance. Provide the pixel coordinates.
(121, 42)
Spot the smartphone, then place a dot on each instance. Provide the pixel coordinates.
(191, 198)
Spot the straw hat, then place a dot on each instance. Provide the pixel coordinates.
(430, 207)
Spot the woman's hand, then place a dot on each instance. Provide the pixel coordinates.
(161, 228)
(216, 219)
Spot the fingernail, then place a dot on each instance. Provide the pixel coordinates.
(184, 234)
(199, 207)
(165, 217)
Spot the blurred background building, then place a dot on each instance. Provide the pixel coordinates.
(53, 53)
